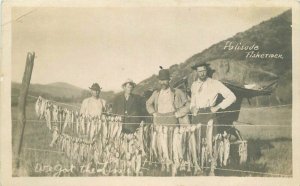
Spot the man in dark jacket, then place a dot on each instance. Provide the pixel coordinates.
(128, 104)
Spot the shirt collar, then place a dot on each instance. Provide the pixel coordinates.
(207, 79)
(94, 98)
(127, 96)
(165, 91)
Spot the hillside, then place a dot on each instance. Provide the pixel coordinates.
(58, 91)
(272, 36)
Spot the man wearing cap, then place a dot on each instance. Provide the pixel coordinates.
(130, 106)
(168, 105)
(94, 105)
(204, 94)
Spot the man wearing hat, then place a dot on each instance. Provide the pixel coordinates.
(94, 105)
(168, 105)
(204, 94)
(130, 106)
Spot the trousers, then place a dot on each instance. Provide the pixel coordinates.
(166, 118)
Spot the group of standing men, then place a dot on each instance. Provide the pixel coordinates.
(167, 105)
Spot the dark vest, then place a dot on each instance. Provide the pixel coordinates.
(134, 106)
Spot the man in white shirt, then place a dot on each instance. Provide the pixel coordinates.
(94, 105)
(205, 92)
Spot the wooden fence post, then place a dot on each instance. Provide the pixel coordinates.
(22, 103)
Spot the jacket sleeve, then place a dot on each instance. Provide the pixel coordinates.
(150, 103)
(193, 96)
(185, 104)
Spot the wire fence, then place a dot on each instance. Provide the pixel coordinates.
(241, 124)
(176, 124)
(229, 111)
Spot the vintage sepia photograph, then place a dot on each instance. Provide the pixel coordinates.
(151, 91)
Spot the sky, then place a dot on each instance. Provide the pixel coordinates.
(81, 46)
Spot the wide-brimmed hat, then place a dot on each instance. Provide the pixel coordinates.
(195, 66)
(129, 81)
(163, 74)
(95, 86)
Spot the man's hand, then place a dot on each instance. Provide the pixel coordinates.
(214, 109)
(154, 114)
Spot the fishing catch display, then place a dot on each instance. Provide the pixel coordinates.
(171, 148)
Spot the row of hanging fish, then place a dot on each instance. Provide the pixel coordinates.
(61, 120)
(119, 156)
(186, 148)
(99, 140)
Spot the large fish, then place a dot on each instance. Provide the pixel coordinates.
(55, 136)
(226, 144)
(221, 152)
(115, 127)
(138, 164)
(209, 138)
(82, 124)
(198, 140)
(243, 152)
(48, 114)
(182, 146)
(110, 125)
(104, 129)
(159, 144)
(119, 132)
(55, 113)
(170, 139)
(60, 118)
(81, 150)
(77, 125)
(147, 138)
(154, 143)
(176, 154)
(188, 148)
(38, 107)
(217, 147)
(67, 119)
(193, 149)
(43, 108)
(75, 149)
(72, 122)
(140, 137)
(98, 123)
(204, 156)
(88, 126)
(165, 147)
(92, 128)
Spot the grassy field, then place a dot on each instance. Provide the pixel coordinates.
(269, 147)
